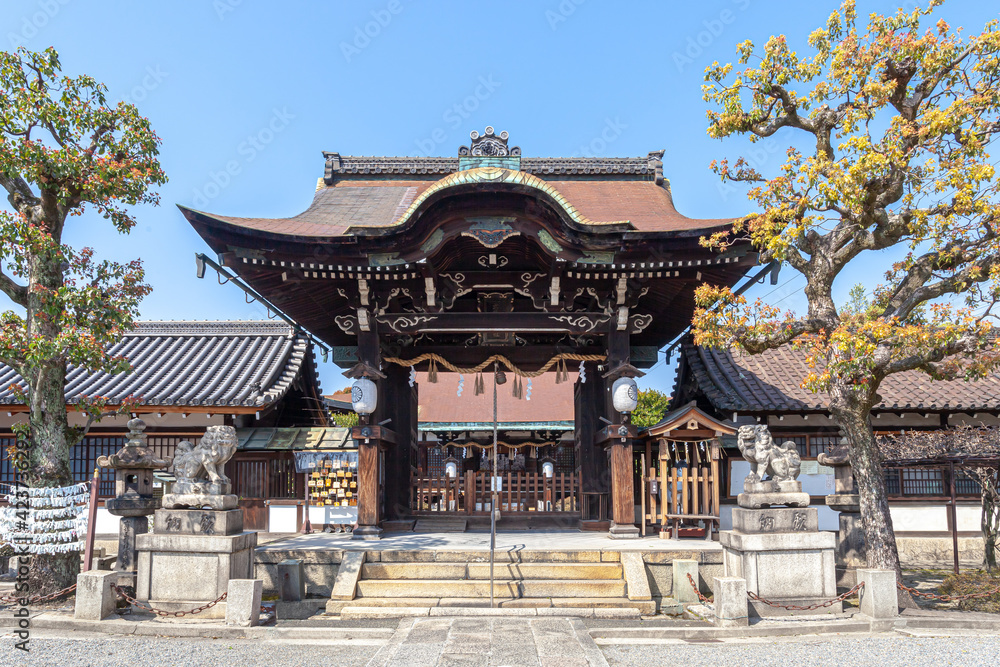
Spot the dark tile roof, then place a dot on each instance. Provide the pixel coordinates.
(241, 363)
(771, 382)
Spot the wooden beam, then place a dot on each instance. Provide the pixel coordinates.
(570, 323)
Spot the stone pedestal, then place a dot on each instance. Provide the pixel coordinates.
(623, 532)
(851, 552)
(130, 527)
(759, 495)
(783, 557)
(190, 557)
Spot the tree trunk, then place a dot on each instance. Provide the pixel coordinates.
(852, 416)
(988, 480)
(49, 442)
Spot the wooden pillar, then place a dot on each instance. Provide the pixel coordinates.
(588, 405)
(622, 491)
(368, 492)
(620, 446)
(398, 403)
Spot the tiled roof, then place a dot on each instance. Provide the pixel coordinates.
(241, 363)
(771, 382)
(607, 191)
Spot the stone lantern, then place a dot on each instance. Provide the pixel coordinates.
(134, 502)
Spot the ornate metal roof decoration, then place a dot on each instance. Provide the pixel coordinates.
(490, 231)
(489, 145)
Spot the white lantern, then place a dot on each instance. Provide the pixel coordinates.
(364, 396)
(451, 467)
(548, 468)
(625, 394)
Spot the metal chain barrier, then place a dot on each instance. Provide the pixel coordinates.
(793, 607)
(8, 599)
(701, 597)
(159, 612)
(947, 598)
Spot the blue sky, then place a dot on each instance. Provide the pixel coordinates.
(270, 85)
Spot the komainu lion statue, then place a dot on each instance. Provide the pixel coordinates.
(205, 461)
(780, 462)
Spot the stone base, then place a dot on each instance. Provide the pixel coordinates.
(776, 520)
(367, 533)
(198, 501)
(132, 506)
(623, 532)
(191, 568)
(789, 568)
(198, 522)
(761, 500)
(844, 502)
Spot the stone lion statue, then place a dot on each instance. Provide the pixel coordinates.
(205, 462)
(780, 462)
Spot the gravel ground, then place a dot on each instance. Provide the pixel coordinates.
(872, 650)
(104, 651)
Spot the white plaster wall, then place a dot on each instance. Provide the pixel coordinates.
(969, 517)
(919, 518)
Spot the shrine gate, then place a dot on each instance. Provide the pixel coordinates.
(483, 261)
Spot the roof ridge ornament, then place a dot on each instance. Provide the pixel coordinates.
(489, 144)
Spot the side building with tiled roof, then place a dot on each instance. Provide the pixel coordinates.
(767, 389)
(258, 376)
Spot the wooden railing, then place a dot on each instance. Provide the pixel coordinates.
(681, 489)
(521, 493)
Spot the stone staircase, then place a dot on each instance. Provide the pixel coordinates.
(407, 583)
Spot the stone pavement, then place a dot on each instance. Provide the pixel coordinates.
(427, 642)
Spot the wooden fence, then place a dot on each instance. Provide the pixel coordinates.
(470, 493)
(680, 489)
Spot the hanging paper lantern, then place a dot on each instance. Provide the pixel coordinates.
(548, 468)
(625, 394)
(364, 396)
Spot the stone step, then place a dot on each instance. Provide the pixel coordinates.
(645, 607)
(480, 588)
(507, 571)
(483, 556)
(440, 525)
(434, 588)
(360, 612)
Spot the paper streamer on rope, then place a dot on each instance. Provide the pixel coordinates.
(413, 375)
(54, 521)
(527, 393)
(583, 373)
(461, 384)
